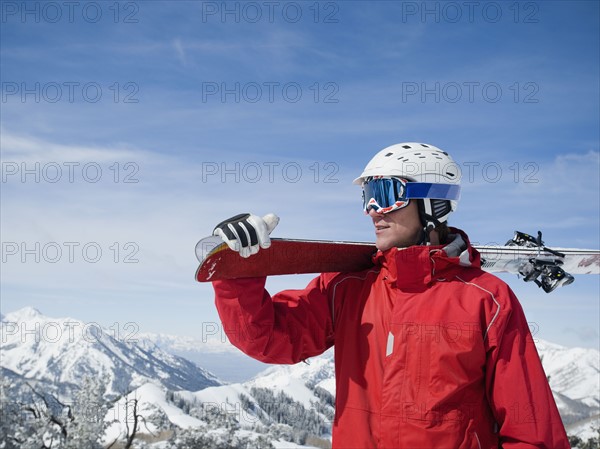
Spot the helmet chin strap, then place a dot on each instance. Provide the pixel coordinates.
(428, 221)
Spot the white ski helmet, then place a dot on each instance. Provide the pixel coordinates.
(418, 162)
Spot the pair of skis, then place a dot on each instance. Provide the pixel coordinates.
(523, 255)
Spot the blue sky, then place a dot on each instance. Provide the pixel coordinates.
(152, 121)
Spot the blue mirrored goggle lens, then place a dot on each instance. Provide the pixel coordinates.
(387, 191)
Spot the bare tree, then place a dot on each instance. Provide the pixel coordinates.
(133, 421)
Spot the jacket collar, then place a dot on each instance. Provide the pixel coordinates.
(416, 267)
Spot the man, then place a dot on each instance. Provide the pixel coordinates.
(430, 351)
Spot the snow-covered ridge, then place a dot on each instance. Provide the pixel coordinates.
(212, 341)
(573, 372)
(63, 350)
(212, 351)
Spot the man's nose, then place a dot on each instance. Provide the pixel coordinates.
(373, 213)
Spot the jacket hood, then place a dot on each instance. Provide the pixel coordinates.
(416, 267)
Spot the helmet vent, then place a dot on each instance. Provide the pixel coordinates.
(423, 145)
(440, 208)
(389, 154)
(406, 147)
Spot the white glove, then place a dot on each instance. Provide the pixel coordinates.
(247, 233)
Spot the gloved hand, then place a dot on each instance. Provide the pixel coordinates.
(247, 233)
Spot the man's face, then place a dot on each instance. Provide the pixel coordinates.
(400, 228)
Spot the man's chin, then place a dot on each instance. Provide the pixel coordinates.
(383, 244)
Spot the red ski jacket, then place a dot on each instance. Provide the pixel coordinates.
(430, 351)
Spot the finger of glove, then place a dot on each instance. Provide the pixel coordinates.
(244, 252)
(261, 231)
(248, 251)
(247, 233)
(232, 243)
(254, 249)
(271, 220)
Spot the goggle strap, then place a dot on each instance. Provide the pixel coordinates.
(422, 190)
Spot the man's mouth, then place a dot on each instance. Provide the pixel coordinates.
(381, 227)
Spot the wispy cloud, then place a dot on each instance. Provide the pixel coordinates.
(179, 51)
(28, 150)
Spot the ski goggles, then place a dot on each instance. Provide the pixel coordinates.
(386, 195)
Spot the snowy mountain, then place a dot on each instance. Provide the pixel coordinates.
(573, 372)
(63, 350)
(574, 376)
(44, 361)
(214, 354)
